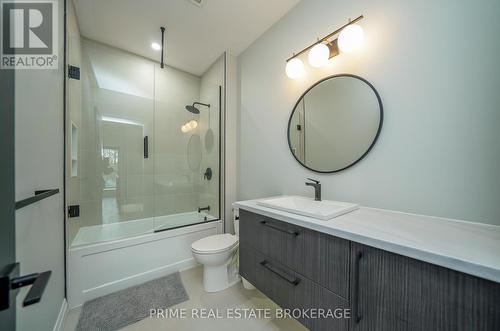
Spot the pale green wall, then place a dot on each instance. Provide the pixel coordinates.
(435, 64)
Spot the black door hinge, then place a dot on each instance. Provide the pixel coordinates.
(73, 72)
(73, 211)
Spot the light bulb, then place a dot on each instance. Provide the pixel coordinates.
(351, 38)
(294, 68)
(318, 55)
(185, 129)
(156, 46)
(193, 124)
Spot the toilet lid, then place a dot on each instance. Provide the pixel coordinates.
(214, 244)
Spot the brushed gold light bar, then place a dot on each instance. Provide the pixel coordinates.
(325, 38)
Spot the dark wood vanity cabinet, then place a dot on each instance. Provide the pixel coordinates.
(300, 268)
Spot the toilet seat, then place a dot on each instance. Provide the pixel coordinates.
(215, 244)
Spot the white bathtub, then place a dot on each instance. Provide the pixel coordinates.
(127, 229)
(107, 258)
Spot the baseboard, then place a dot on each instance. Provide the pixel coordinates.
(140, 278)
(61, 317)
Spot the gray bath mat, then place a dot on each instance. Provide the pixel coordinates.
(119, 309)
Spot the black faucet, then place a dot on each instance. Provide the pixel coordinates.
(207, 208)
(317, 188)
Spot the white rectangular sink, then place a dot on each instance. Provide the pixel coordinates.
(322, 210)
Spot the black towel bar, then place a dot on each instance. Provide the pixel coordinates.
(39, 195)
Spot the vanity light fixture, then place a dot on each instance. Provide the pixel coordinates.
(319, 55)
(351, 37)
(294, 68)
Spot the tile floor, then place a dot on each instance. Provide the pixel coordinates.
(234, 297)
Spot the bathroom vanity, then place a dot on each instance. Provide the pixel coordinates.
(390, 270)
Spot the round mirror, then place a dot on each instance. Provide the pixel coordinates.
(335, 123)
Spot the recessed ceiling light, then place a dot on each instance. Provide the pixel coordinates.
(156, 46)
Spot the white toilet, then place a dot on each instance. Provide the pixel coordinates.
(217, 254)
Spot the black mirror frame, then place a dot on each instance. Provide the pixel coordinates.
(381, 107)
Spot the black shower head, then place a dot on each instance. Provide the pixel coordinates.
(193, 109)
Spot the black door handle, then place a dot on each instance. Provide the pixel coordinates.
(37, 280)
(10, 280)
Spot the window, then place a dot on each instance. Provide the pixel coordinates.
(110, 159)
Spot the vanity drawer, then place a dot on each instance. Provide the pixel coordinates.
(310, 295)
(291, 245)
(293, 291)
(320, 257)
(270, 277)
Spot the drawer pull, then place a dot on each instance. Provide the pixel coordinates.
(268, 266)
(270, 225)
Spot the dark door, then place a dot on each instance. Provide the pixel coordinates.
(379, 290)
(10, 280)
(393, 292)
(7, 203)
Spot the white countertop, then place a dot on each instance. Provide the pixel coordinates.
(472, 248)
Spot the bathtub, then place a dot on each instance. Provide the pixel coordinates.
(127, 229)
(107, 258)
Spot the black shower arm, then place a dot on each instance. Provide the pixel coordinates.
(202, 104)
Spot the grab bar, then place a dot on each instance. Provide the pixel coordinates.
(39, 195)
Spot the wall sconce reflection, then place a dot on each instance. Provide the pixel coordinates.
(189, 126)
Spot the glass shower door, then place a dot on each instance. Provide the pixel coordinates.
(110, 173)
(186, 150)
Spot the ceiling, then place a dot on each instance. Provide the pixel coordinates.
(195, 35)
